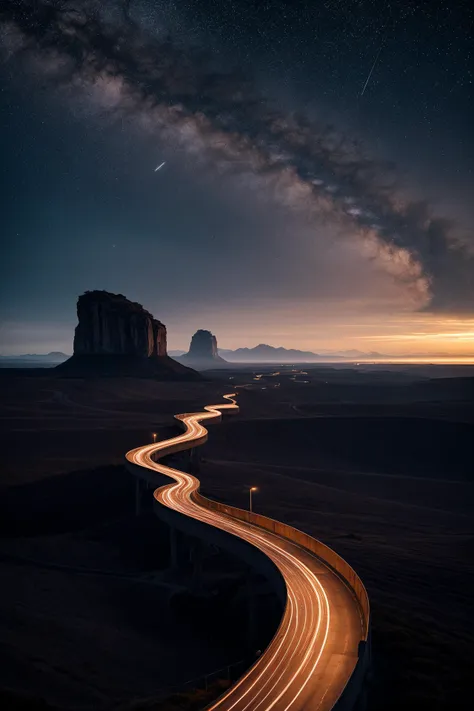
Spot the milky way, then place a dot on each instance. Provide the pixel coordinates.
(310, 169)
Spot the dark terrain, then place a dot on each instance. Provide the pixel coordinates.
(377, 463)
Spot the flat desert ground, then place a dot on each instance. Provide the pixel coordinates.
(376, 463)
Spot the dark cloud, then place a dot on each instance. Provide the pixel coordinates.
(219, 117)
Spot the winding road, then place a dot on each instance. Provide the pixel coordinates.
(315, 649)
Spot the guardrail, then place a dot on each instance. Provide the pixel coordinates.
(327, 555)
(353, 688)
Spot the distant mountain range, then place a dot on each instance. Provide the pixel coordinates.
(54, 355)
(264, 353)
(29, 360)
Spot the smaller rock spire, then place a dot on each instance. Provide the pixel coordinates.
(203, 351)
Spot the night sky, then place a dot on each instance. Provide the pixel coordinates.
(317, 190)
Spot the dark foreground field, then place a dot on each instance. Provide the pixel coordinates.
(377, 466)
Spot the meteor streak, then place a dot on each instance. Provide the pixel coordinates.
(373, 67)
(160, 166)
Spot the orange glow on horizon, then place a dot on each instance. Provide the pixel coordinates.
(411, 337)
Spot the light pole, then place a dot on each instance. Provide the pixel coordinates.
(154, 437)
(252, 489)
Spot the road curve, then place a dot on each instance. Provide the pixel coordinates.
(314, 651)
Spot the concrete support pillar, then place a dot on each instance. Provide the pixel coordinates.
(138, 497)
(174, 559)
(196, 559)
(361, 704)
(251, 614)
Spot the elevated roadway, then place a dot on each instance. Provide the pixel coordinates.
(313, 662)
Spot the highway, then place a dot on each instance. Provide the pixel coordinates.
(314, 651)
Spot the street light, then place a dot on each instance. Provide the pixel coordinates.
(252, 488)
(154, 437)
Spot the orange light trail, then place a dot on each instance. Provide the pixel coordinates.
(287, 674)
